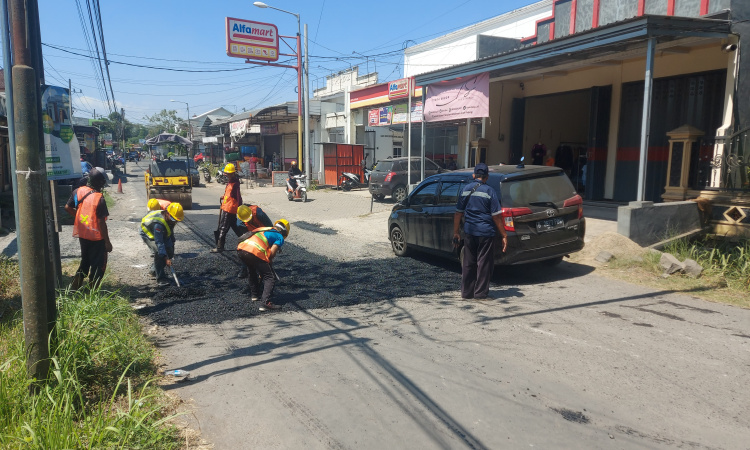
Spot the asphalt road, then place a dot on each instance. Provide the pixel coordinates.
(374, 351)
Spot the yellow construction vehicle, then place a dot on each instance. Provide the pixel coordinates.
(169, 180)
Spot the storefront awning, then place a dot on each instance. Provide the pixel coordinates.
(594, 45)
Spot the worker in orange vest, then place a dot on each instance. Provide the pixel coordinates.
(250, 217)
(256, 250)
(89, 208)
(231, 200)
(156, 204)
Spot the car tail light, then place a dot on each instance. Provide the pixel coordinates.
(389, 176)
(508, 215)
(577, 200)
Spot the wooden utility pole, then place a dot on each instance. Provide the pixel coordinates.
(31, 177)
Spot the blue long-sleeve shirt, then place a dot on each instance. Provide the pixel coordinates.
(161, 240)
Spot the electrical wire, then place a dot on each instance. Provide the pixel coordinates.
(104, 51)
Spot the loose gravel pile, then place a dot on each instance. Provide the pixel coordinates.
(212, 293)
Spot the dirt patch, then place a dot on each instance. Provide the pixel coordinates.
(614, 243)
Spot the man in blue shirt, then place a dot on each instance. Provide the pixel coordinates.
(257, 250)
(479, 206)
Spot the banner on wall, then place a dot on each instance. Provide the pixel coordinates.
(89, 143)
(463, 98)
(61, 148)
(373, 117)
(416, 112)
(386, 113)
(399, 114)
(269, 128)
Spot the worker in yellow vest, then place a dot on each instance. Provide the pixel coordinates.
(257, 250)
(88, 207)
(157, 231)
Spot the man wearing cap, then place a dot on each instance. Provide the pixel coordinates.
(479, 206)
(89, 208)
(231, 200)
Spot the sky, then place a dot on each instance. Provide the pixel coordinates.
(189, 36)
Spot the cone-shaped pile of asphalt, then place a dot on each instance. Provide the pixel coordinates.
(212, 293)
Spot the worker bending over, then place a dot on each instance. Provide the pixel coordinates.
(257, 250)
(250, 217)
(157, 231)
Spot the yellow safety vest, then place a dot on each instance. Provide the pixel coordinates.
(150, 220)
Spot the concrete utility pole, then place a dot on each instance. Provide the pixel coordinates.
(306, 96)
(31, 177)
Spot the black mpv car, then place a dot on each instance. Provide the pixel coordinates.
(542, 213)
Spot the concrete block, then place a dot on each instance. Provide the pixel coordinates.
(669, 263)
(646, 223)
(692, 268)
(604, 257)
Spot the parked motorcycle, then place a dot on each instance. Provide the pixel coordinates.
(350, 181)
(300, 192)
(221, 177)
(206, 173)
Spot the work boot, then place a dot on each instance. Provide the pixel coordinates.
(269, 306)
(77, 282)
(162, 282)
(217, 250)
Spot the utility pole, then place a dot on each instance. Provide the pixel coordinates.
(30, 198)
(306, 91)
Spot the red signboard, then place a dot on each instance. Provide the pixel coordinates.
(252, 40)
(398, 89)
(373, 117)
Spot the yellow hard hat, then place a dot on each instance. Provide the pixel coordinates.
(153, 205)
(244, 213)
(175, 210)
(230, 168)
(283, 226)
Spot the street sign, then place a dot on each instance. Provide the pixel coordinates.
(252, 40)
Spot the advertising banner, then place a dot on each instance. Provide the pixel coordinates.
(61, 148)
(399, 114)
(416, 112)
(386, 113)
(239, 128)
(373, 117)
(89, 143)
(463, 98)
(252, 40)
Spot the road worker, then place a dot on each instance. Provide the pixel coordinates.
(257, 250)
(157, 231)
(89, 208)
(231, 200)
(156, 204)
(250, 217)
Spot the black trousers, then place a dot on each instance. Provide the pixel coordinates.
(260, 276)
(227, 221)
(479, 263)
(93, 260)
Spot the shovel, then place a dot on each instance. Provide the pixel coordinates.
(174, 275)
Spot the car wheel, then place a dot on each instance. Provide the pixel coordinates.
(553, 261)
(398, 241)
(378, 197)
(399, 193)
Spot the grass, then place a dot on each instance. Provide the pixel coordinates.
(725, 279)
(108, 199)
(100, 392)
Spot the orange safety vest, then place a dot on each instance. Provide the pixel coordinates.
(163, 203)
(86, 225)
(254, 222)
(230, 204)
(257, 244)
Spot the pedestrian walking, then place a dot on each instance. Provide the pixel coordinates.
(250, 217)
(479, 207)
(231, 200)
(253, 165)
(89, 208)
(157, 231)
(257, 250)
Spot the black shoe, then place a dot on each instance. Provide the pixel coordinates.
(163, 282)
(217, 250)
(268, 306)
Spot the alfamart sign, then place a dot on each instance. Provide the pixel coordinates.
(252, 40)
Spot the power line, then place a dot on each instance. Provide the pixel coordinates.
(98, 54)
(82, 21)
(104, 51)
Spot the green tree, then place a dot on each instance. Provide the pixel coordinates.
(163, 122)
